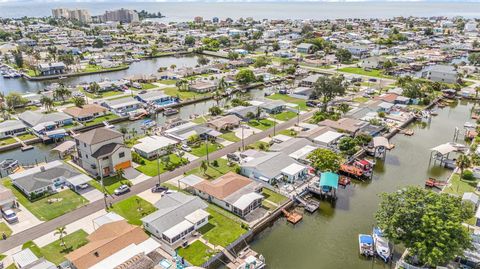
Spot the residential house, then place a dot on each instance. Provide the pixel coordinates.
(48, 178)
(305, 48)
(310, 80)
(440, 73)
(273, 107)
(85, 113)
(243, 111)
(49, 69)
(345, 125)
(224, 123)
(301, 93)
(184, 131)
(115, 245)
(101, 151)
(328, 139)
(156, 98)
(123, 106)
(233, 192)
(273, 167)
(12, 128)
(202, 86)
(154, 146)
(42, 123)
(374, 62)
(177, 217)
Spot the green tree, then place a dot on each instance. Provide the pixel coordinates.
(328, 88)
(232, 55)
(189, 40)
(14, 100)
(204, 166)
(261, 61)
(343, 107)
(18, 58)
(47, 102)
(463, 162)
(324, 160)
(202, 60)
(474, 58)
(245, 76)
(61, 92)
(343, 55)
(78, 101)
(427, 223)
(98, 43)
(348, 145)
(61, 232)
(215, 111)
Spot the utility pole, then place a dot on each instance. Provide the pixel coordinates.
(243, 139)
(158, 166)
(103, 185)
(206, 147)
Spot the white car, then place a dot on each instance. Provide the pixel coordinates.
(10, 216)
(186, 148)
(122, 189)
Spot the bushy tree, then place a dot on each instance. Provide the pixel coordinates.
(324, 160)
(343, 55)
(328, 88)
(245, 76)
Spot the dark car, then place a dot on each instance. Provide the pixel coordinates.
(233, 157)
(311, 103)
(159, 188)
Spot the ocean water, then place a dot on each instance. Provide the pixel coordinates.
(184, 11)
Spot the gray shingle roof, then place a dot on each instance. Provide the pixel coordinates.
(33, 118)
(10, 125)
(98, 135)
(271, 164)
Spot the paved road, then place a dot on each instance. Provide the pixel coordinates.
(49, 226)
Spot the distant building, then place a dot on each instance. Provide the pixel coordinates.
(198, 19)
(215, 19)
(120, 15)
(305, 48)
(81, 15)
(440, 73)
(51, 69)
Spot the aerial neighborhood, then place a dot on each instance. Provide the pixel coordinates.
(128, 142)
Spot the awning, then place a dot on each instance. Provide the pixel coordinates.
(444, 148)
(329, 179)
(178, 229)
(191, 180)
(59, 133)
(65, 146)
(246, 200)
(79, 180)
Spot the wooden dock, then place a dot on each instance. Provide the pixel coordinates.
(310, 206)
(292, 217)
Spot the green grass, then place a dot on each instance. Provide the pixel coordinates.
(150, 168)
(459, 187)
(5, 229)
(184, 95)
(259, 145)
(101, 119)
(200, 120)
(33, 247)
(201, 150)
(95, 68)
(129, 209)
(220, 229)
(103, 94)
(26, 136)
(7, 141)
(361, 71)
(361, 99)
(168, 82)
(230, 136)
(111, 183)
(196, 253)
(285, 116)
(44, 210)
(288, 132)
(213, 172)
(301, 103)
(262, 124)
(55, 252)
(148, 86)
(273, 197)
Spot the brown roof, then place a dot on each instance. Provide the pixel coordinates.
(222, 121)
(98, 135)
(223, 186)
(86, 110)
(106, 241)
(344, 124)
(387, 97)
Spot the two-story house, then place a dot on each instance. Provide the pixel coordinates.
(101, 151)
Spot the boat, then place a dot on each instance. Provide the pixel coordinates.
(137, 114)
(147, 124)
(344, 181)
(108, 125)
(382, 247)
(469, 125)
(434, 183)
(9, 165)
(365, 245)
(170, 111)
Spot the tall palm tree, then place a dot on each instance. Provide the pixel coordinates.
(62, 92)
(463, 162)
(120, 173)
(94, 88)
(61, 232)
(47, 102)
(78, 101)
(343, 107)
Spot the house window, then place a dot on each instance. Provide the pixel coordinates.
(105, 158)
(121, 154)
(85, 145)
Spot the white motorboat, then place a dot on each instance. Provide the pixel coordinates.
(382, 247)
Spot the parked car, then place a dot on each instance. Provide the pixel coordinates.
(121, 190)
(10, 216)
(159, 188)
(83, 186)
(186, 148)
(234, 157)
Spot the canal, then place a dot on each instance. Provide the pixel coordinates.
(328, 238)
(147, 66)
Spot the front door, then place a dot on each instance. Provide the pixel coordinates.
(106, 170)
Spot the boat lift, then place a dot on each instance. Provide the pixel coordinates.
(310, 206)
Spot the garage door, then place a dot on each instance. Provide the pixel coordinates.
(123, 165)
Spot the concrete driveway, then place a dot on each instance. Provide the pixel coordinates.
(91, 194)
(246, 131)
(150, 196)
(134, 175)
(26, 220)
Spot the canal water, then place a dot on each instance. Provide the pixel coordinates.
(147, 66)
(328, 238)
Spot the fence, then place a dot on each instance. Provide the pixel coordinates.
(234, 247)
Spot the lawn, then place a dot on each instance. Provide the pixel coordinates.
(300, 102)
(220, 229)
(33, 247)
(288, 132)
(201, 150)
(95, 68)
(260, 145)
(361, 99)
(168, 82)
(111, 183)
(101, 119)
(230, 136)
(148, 86)
(44, 210)
(102, 94)
(459, 187)
(55, 252)
(262, 124)
(184, 95)
(5, 229)
(212, 171)
(196, 253)
(7, 141)
(361, 71)
(285, 116)
(273, 197)
(150, 168)
(26, 136)
(133, 209)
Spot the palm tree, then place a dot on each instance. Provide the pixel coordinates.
(94, 88)
(204, 167)
(61, 232)
(343, 107)
(120, 173)
(47, 102)
(78, 101)
(124, 131)
(463, 162)
(62, 92)
(133, 132)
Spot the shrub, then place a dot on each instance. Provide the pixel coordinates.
(468, 175)
(215, 163)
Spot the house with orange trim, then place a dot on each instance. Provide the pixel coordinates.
(102, 151)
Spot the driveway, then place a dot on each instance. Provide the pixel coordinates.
(246, 132)
(134, 175)
(26, 220)
(149, 196)
(91, 194)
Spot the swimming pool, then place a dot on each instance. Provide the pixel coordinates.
(165, 263)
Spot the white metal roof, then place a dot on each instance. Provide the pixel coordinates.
(302, 152)
(79, 179)
(118, 258)
(246, 200)
(191, 180)
(444, 148)
(328, 137)
(281, 138)
(293, 169)
(107, 218)
(24, 258)
(178, 229)
(197, 215)
(153, 143)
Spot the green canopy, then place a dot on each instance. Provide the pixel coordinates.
(329, 179)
